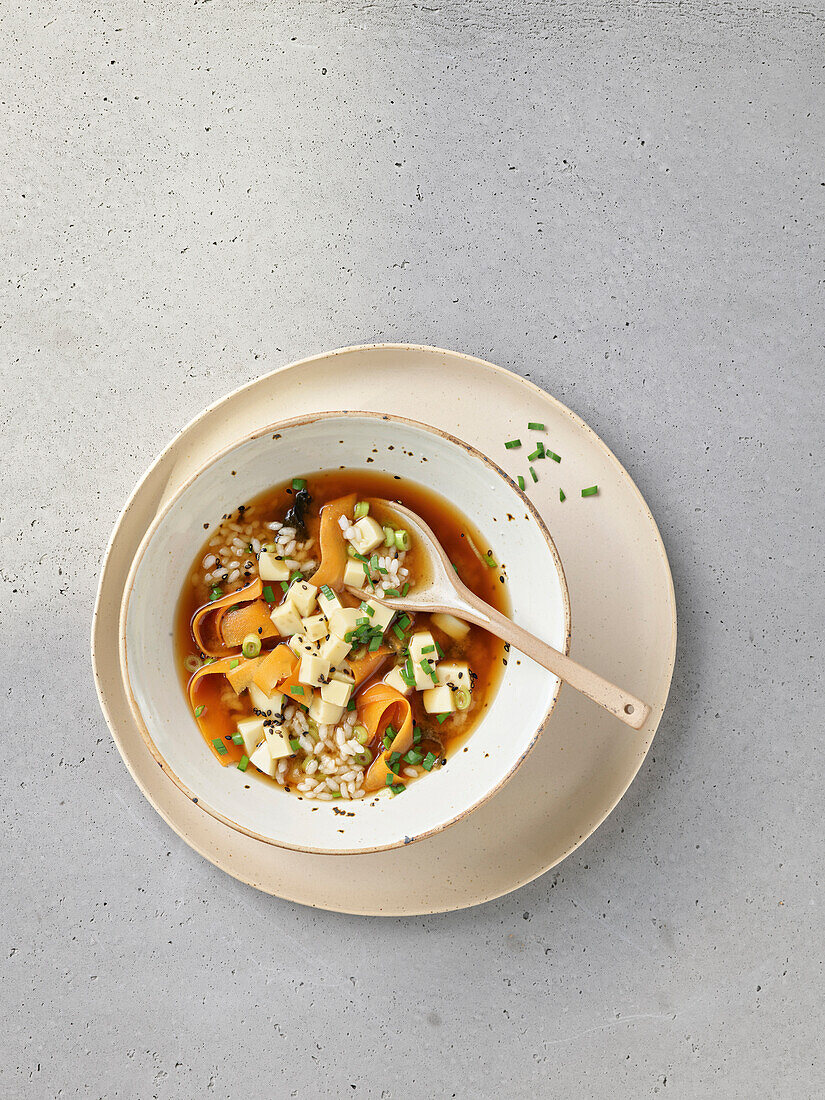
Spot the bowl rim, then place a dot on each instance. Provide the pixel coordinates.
(275, 426)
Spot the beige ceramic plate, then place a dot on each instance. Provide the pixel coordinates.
(623, 609)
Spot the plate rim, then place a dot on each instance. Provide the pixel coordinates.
(507, 378)
(169, 503)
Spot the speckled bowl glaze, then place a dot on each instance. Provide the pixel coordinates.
(504, 737)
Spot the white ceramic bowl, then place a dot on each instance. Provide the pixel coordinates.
(513, 721)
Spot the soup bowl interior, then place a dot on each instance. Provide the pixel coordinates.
(512, 722)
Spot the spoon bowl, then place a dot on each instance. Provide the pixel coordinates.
(439, 589)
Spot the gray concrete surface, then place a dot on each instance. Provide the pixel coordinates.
(622, 201)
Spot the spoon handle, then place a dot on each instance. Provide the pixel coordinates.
(626, 707)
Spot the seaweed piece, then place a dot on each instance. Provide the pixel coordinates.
(295, 515)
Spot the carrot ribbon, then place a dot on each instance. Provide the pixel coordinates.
(223, 624)
(378, 707)
(333, 546)
(279, 669)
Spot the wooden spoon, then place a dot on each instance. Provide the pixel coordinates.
(443, 591)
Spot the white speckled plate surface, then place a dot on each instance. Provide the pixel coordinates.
(624, 626)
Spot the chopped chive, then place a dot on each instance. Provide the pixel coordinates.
(374, 562)
(591, 492)
(398, 632)
(490, 560)
(269, 594)
(297, 690)
(428, 649)
(215, 594)
(404, 622)
(511, 444)
(243, 763)
(413, 757)
(453, 564)
(351, 705)
(428, 669)
(538, 453)
(439, 650)
(220, 748)
(237, 738)
(428, 761)
(363, 621)
(416, 735)
(336, 794)
(370, 611)
(391, 592)
(553, 455)
(374, 644)
(390, 731)
(294, 744)
(405, 589)
(442, 718)
(297, 576)
(389, 779)
(534, 427)
(520, 482)
(533, 474)
(199, 710)
(234, 663)
(367, 575)
(284, 586)
(299, 483)
(397, 788)
(327, 591)
(562, 496)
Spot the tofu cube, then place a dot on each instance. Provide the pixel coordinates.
(344, 620)
(302, 597)
(343, 673)
(368, 534)
(394, 679)
(328, 601)
(324, 713)
(381, 616)
(354, 574)
(336, 692)
(261, 757)
(313, 670)
(267, 704)
(454, 673)
(439, 700)
(252, 732)
(423, 640)
(276, 743)
(301, 646)
(452, 627)
(334, 649)
(271, 568)
(286, 619)
(315, 628)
